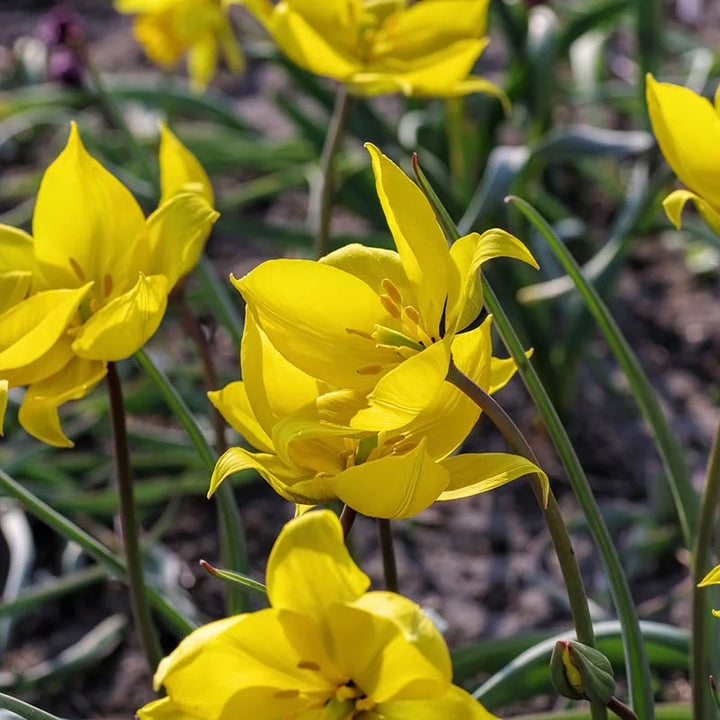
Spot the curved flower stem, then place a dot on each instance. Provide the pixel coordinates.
(621, 709)
(701, 560)
(551, 512)
(129, 523)
(347, 518)
(388, 555)
(323, 201)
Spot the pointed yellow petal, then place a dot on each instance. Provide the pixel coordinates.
(313, 314)
(456, 704)
(16, 251)
(233, 404)
(675, 202)
(274, 387)
(177, 233)
(50, 362)
(450, 416)
(3, 402)
(39, 410)
(401, 395)
(474, 473)
(180, 170)
(231, 51)
(157, 36)
(202, 62)
(394, 486)
(163, 709)
(420, 241)
(14, 287)
(468, 254)
(712, 578)
(87, 224)
(123, 326)
(687, 128)
(310, 569)
(29, 329)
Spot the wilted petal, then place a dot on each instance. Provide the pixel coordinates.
(232, 403)
(180, 170)
(418, 237)
(123, 326)
(86, 224)
(313, 314)
(39, 410)
(687, 128)
(310, 568)
(394, 486)
(177, 233)
(474, 473)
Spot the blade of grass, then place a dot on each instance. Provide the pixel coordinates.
(639, 678)
(96, 550)
(23, 709)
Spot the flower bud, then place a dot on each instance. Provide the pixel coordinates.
(581, 672)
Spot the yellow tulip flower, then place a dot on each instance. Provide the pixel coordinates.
(687, 128)
(376, 321)
(325, 649)
(309, 454)
(169, 29)
(92, 283)
(384, 46)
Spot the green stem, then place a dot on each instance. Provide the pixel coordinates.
(96, 550)
(388, 554)
(129, 523)
(621, 709)
(702, 555)
(551, 512)
(636, 661)
(324, 199)
(231, 529)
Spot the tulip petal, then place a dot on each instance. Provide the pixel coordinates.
(3, 402)
(274, 471)
(375, 652)
(675, 202)
(14, 287)
(314, 315)
(177, 233)
(231, 52)
(465, 298)
(502, 371)
(180, 170)
(233, 404)
(155, 32)
(687, 128)
(451, 415)
(456, 704)
(305, 36)
(164, 709)
(39, 410)
(242, 653)
(420, 241)
(474, 473)
(16, 251)
(52, 361)
(202, 60)
(29, 329)
(401, 395)
(123, 326)
(394, 486)
(712, 578)
(310, 568)
(274, 387)
(86, 224)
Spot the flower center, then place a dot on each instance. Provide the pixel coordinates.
(350, 702)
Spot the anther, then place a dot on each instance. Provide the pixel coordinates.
(107, 284)
(364, 703)
(370, 370)
(345, 692)
(412, 314)
(308, 665)
(360, 333)
(403, 448)
(391, 306)
(286, 694)
(79, 274)
(391, 289)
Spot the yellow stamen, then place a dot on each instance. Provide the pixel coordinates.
(364, 703)
(412, 314)
(370, 370)
(391, 306)
(309, 665)
(107, 284)
(79, 274)
(360, 333)
(287, 694)
(391, 289)
(345, 692)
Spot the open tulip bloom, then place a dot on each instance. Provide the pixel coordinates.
(326, 650)
(309, 453)
(687, 128)
(384, 46)
(169, 29)
(91, 285)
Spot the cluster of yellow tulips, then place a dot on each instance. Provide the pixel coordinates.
(344, 360)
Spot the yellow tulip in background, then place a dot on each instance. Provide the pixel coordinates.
(384, 46)
(687, 128)
(309, 454)
(379, 322)
(200, 29)
(91, 284)
(326, 648)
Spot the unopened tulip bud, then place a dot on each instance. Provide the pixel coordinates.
(581, 672)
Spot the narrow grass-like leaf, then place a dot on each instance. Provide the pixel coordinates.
(23, 709)
(665, 711)
(233, 577)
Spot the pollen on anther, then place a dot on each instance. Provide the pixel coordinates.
(412, 314)
(287, 694)
(308, 665)
(79, 274)
(107, 284)
(391, 289)
(370, 370)
(391, 306)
